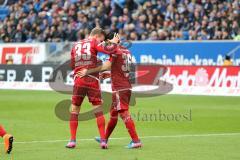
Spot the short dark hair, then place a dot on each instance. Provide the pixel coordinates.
(227, 57)
(97, 31)
(110, 35)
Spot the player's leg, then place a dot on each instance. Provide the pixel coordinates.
(100, 119)
(113, 118)
(130, 125)
(73, 125)
(77, 99)
(94, 96)
(112, 122)
(123, 109)
(110, 127)
(8, 140)
(2, 131)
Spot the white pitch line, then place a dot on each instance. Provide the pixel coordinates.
(144, 137)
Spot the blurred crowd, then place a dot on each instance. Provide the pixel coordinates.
(71, 20)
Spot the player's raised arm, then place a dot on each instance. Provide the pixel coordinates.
(106, 66)
(110, 46)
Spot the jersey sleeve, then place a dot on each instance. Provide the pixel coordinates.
(110, 59)
(107, 49)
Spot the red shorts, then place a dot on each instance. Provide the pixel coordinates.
(121, 100)
(86, 86)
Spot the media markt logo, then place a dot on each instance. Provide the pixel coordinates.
(201, 77)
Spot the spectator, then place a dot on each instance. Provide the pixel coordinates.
(227, 61)
(70, 20)
(9, 60)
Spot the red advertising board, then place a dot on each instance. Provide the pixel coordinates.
(22, 53)
(202, 76)
(192, 80)
(204, 80)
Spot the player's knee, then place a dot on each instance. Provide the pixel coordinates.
(75, 108)
(114, 115)
(77, 100)
(97, 105)
(124, 114)
(97, 108)
(98, 111)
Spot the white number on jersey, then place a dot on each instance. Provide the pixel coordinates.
(83, 51)
(127, 60)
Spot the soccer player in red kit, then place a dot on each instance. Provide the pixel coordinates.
(8, 140)
(84, 56)
(119, 63)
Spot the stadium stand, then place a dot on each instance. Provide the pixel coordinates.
(70, 20)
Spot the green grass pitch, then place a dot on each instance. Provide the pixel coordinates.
(29, 116)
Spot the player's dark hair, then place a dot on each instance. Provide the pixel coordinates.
(110, 35)
(97, 31)
(227, 57)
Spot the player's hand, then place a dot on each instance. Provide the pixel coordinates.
(82, 73)
(116, 38)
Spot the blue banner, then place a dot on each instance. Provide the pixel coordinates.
(186, 53)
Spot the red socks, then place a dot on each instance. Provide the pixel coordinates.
(2, 131)
(129, 123)
(112, 123)
(73, 123)
(101, 124)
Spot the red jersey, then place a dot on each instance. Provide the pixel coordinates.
(121, 63)
(84, 54)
